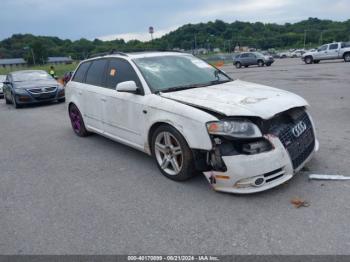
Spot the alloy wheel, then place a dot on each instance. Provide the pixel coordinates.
(168, 153)
(75, 118)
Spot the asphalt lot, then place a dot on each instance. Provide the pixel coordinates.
(61, 194)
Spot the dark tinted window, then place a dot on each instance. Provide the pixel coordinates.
(120, 70)
(244, 55)
(96, 73)
(80, 74)
(333, 46)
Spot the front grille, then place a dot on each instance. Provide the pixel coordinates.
(299, 148)
(42, 90)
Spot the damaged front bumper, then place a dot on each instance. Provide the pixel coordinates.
(255, 173)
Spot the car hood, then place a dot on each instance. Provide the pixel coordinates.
(36, 84)
(309, 53)
(239, 98)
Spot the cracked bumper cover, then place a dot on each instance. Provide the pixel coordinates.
(275, 167)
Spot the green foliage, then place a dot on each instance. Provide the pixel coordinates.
(208, 35)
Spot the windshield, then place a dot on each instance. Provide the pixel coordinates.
(30, 76)
(176, 72)
(2, 78)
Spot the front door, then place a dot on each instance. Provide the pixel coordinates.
(124, 113)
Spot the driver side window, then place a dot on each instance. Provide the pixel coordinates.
(323, 48)
(120, 70)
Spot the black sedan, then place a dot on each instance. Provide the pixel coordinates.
(31, 87)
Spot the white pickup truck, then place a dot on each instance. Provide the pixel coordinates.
(331, 51)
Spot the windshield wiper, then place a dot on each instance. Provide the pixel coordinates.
(183, 87)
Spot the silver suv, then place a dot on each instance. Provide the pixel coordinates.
(252, 58)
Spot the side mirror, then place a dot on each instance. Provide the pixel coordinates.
(127, 87)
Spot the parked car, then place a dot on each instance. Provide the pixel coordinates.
(2, 79)
(285, 55)
(31, 87)
(331, 51)
(192, 117)
(297, 53)
(252, 58)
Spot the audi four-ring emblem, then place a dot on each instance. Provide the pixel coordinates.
(299, 129)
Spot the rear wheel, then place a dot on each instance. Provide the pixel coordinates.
(77, 121)
(238, 65)
(308, 60)
(268, 64)
(260, 63)
(173, 156)
(347, 57)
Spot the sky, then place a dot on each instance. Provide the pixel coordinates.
(130, 19)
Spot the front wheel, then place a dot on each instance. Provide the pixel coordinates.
(173, 156)
(268, 64)
(347, 57)
(260, 63)
(308, 60)
(14, 102)
(238, 65)
(77, 121)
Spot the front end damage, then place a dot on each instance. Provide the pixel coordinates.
(253, 165)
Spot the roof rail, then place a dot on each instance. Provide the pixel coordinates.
(112, 52)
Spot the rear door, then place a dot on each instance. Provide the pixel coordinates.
(252, 60)
(93, 94)
(333, 51)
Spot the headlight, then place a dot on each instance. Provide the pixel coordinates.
(21, 91)
(234, 128)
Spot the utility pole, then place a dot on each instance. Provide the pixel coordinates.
(31, 51)
(195, 44)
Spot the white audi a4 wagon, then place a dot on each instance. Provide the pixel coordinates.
(193, 118)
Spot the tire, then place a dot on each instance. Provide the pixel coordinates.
(8, 102)
(268, 64)
(15, 105)
(62, 100)
(347, 57)
(77, 121)
(316, 61)
(172, 154)
(309, 60)
(238, 65)
(246, 66)
(260, 63)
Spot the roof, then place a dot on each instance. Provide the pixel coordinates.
(142, 54)
(12, 61)
(26, 71)
(59, 59)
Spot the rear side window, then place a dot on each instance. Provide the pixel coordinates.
(244, 55)
(80, 74)
(323, 48)
(333, 46)
(120, 70)
(96, 73)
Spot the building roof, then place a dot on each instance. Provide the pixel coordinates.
(59, 59)
(12, 61)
